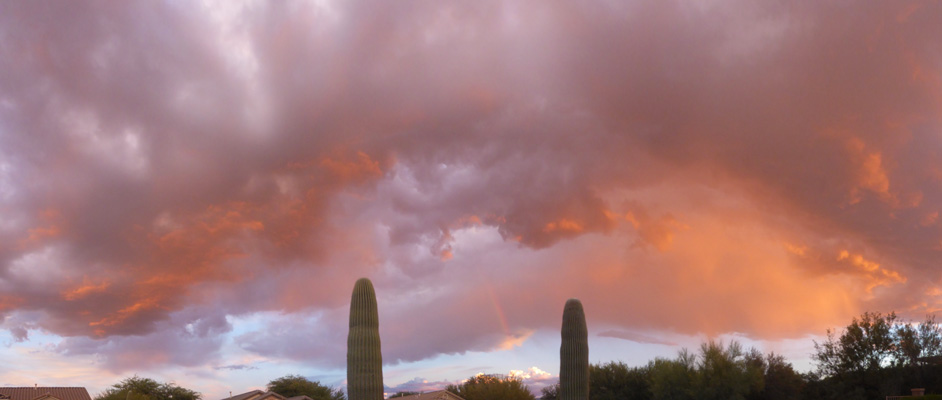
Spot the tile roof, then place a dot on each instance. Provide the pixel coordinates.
(245, 395)
(436, 395)
(33, 393)
(256, 395)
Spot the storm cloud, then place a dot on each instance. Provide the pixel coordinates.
(688, 167)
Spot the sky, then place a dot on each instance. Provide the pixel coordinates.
(189, 190)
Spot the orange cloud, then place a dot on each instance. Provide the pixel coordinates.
(563, 225)
(721, 274)
(796, 250)
(126, 313)
(85, 289)
(876, 275)
(50, 227)
(929, 219)
(514, 340)
(870, 173)
(657, 232)
(361, 168)
(9, 302)
(182, 249)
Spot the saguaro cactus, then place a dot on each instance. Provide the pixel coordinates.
(364, 359)
(574, 354)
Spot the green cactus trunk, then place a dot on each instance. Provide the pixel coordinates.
(574, 354)
(364, 359)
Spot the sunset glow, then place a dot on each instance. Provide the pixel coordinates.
(189, 190)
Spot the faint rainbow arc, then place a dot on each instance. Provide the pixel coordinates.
(501, 316)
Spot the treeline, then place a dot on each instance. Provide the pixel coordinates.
(716, 372)
(137, 388)
(875, 356)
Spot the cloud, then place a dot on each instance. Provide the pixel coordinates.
(696, 168)
(188, 338)
(635, 337)
(235, 367)
(419, 385)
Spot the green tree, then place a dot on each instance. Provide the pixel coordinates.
(674, 379)
(296, 385)
(616, 381)
(492, 387)
(727, 373)
(137, 388)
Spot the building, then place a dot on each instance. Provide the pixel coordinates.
(43, 393)
(262, 395)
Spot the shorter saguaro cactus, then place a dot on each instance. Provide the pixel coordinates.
(574, 354)
(364, 358)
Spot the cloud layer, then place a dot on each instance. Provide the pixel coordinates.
(705, 168)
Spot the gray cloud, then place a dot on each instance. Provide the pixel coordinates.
(482, 161)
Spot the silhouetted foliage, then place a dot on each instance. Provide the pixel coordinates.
(674, 379)
(913, 343)
(491, 387)
(727, 373)
(616, 381)
(781, 380)
(296, 385)
(137, 388)
(865, 345)
(877, 355)
(550, 392)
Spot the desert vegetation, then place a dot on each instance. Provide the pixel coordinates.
(874, 356)
(297, 385)
(137, 388)
(574, 353)
(364, 356)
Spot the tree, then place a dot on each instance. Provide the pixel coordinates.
(728, 373)
(492, 387)
(865, 345)
(674, 379)
(296, 385)
(616, 381)
(137, 388)
(781, 380)
(877, 355)
(550, 392)
(915, 342)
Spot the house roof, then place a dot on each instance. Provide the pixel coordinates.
(436, 395)
(34, 393)
(257, 395)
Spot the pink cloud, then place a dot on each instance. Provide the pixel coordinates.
(697, 168)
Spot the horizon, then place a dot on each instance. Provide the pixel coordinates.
(189, 190)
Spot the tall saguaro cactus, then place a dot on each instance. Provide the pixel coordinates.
(364, 359)
(574, 354)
